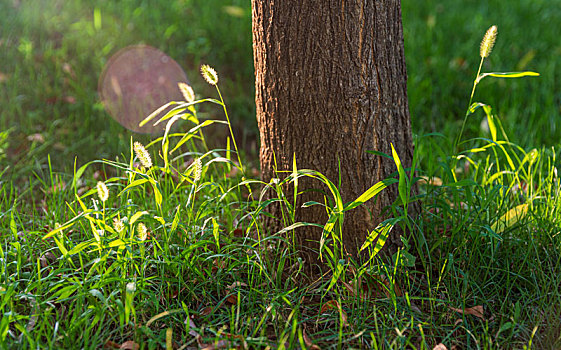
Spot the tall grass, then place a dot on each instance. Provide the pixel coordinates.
(164, 246)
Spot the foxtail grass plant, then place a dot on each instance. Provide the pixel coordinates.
(485, 50)
(166, 247)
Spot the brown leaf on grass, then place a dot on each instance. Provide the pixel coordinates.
(440, 347)
(381, 287)
(333, 304)
(415, 308)
(192, 325)
(371, 286)
(218, 264)
(32, 319)
(129, 345)
(221, 344)
(111, 345)
(232, 299)
(354, 292)
(206, 311)
(3, 77)
(47, 259)
(397, 290)
(361, 290)
(476, 311)
(309, 344)
(238, 233)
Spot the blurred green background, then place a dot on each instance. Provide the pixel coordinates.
(53, 51)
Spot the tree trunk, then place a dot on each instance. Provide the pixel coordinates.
(330, 83)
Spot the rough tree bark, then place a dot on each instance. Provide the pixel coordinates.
(330, 85)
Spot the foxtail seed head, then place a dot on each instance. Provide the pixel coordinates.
(118, 225)
(488, 42)
(142, 155)
(60, 234)
(102, 191)
(131, 287)
(197, 169)
(187, 91)
(142, 231)
(209, 74)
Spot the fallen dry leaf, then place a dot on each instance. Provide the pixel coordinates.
(192, 325)
(476, 311)
(232, 299)
(308, 341)
(353, 290)
(238, 233)
(333, 304)
(381, 291)
(111, 345)
(218, 264)
(47, 259)
(32, 320)
(415, 308)
(206, 311)
(129, 345)
(221, 344)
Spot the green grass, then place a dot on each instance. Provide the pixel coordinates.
(209, 272)
(439, 49)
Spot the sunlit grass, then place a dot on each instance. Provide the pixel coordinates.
(175, 252)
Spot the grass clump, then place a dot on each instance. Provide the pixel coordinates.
(165, 247)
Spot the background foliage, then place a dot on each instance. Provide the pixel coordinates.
(52, 54)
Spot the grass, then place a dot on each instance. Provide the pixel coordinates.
(439, 44)
(480, 270)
